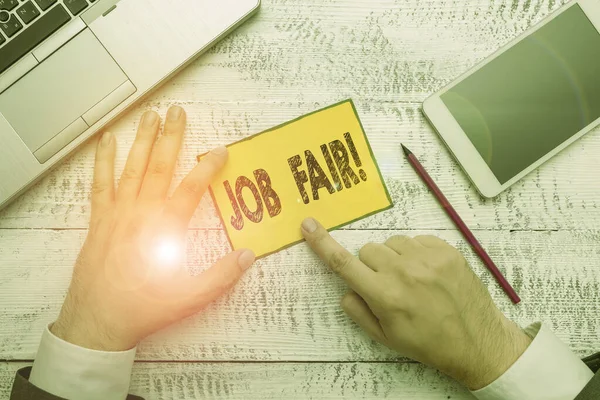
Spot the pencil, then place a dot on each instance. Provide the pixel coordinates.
(508, 289)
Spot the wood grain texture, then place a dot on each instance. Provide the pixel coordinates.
(282, 326)
(388, 56)
(287, 307)
(276, 381)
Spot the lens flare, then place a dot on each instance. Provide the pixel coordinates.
(168, 252)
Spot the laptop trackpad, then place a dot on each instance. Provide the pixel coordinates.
(60, 90)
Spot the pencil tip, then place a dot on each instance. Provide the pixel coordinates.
(407, 152)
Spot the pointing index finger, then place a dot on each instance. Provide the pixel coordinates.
(358, 276)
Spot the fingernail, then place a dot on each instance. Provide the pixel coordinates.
(106, 139)
(174, 113)
(246, 259)
(219, 150)
(149, 119)
(309, 225)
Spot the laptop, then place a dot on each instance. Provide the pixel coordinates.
(69, 67)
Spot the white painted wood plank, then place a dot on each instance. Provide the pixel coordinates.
(287, 307)
(294, 57)
(271, 381)
(388, 55)
(380, 51)
(563, 194)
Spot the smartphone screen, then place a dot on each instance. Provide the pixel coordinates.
(533, 97)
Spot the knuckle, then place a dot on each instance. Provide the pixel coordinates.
(225, 285)
(422, 238)
(426, 277)
(426, 237)
(347, 301)
(134, 228)
(441, 260)
(431, 240)
(159, 168)
(227, 282)
(191, 187)
(318, 237)
(397, 240)
(367, 250)
(390, 298)
(170, 131)
(130, 174)
(174, 128)
(339, 261)
(401, 238)
(99, 187)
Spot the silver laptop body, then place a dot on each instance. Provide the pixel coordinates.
(68, 67)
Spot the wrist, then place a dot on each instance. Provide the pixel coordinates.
(79, 337)
(87, 334)
(502, 351)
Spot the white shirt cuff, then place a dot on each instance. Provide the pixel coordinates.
(72, 372)
(548, 370)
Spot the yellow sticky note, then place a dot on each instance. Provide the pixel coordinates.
(320, 165)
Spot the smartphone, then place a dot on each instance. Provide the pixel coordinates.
(525, 103)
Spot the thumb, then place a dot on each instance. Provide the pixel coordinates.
(221, 277)
(361, 314)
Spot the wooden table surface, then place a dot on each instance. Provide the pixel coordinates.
(281, 334)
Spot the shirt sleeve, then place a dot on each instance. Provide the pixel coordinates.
(548, 370)
(72, 372)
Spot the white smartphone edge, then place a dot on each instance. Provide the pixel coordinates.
(460, 145)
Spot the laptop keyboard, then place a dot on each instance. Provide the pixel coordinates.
(26, 23)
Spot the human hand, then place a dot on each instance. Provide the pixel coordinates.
(419, 297)
(128, 280)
